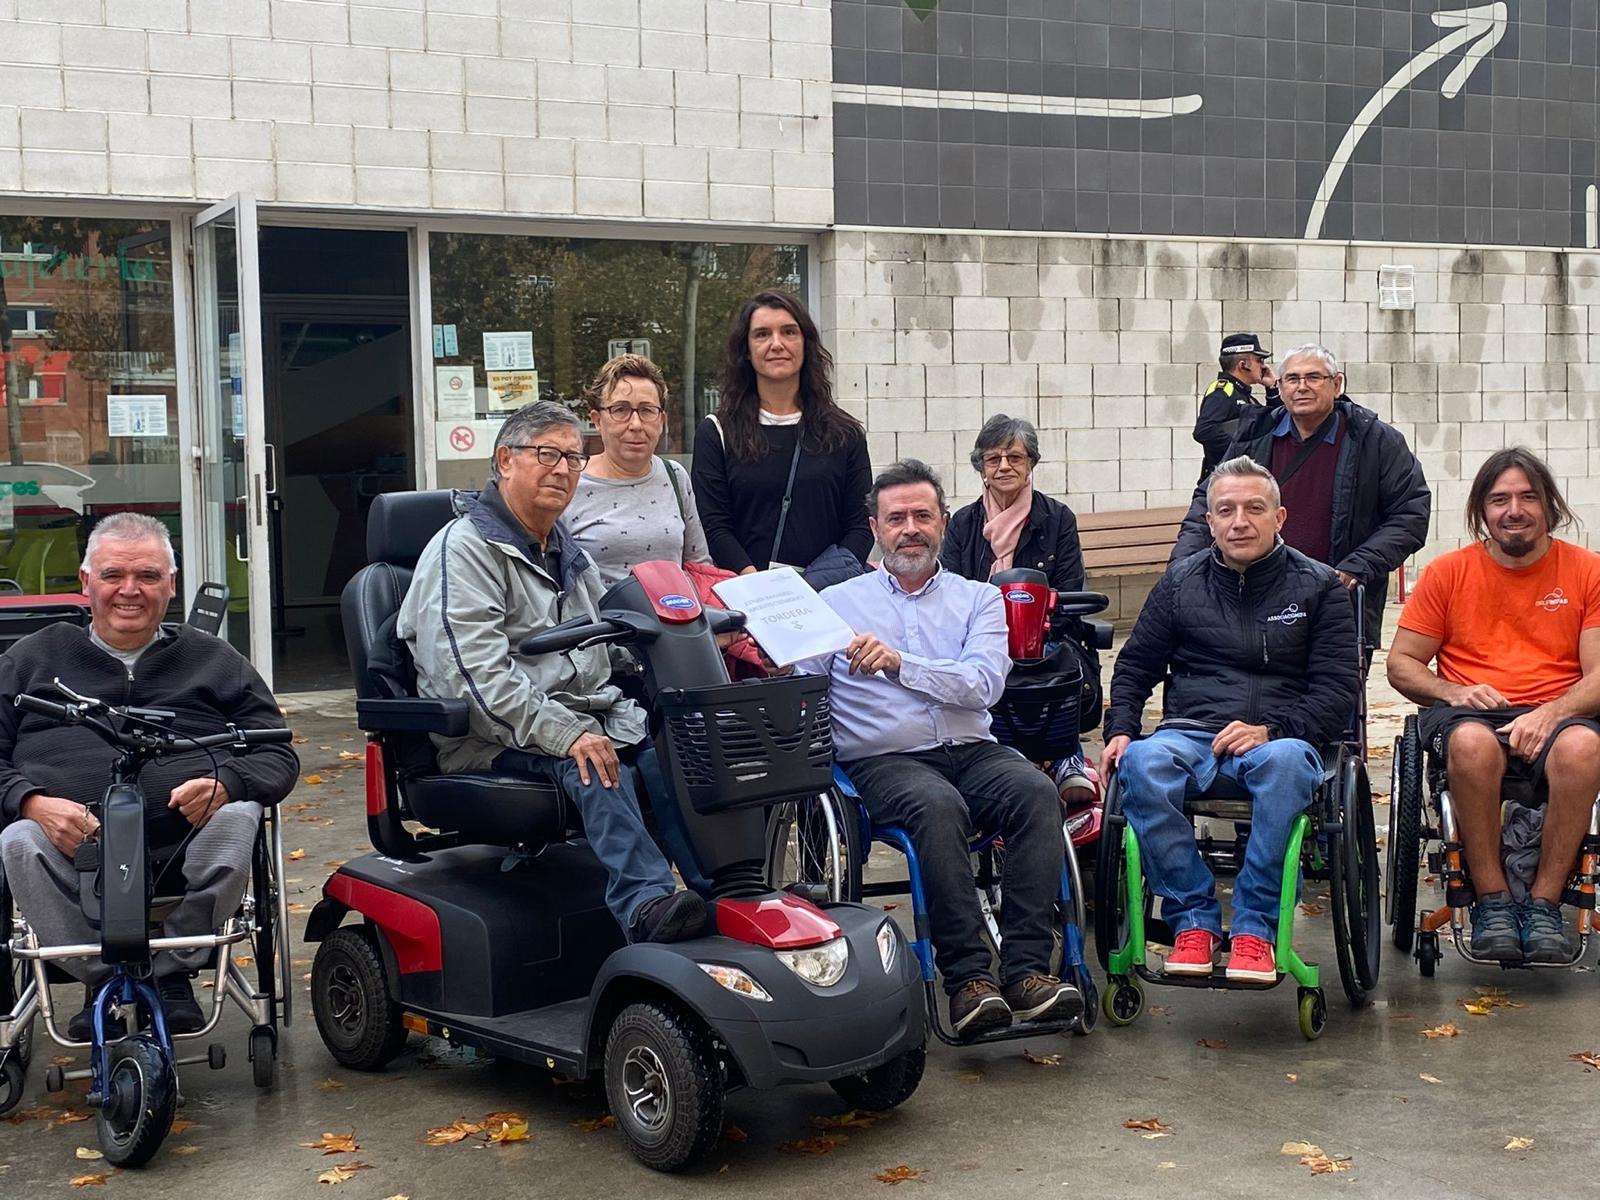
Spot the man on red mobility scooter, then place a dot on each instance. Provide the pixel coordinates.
(501, 575)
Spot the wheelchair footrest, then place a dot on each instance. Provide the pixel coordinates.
(1217, 981)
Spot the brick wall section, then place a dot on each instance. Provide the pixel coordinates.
(1105, 344)
(691, 110)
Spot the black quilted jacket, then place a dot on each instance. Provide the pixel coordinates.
(1273, 646)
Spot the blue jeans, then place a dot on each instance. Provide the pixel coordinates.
(1159, 771)
(636, 870)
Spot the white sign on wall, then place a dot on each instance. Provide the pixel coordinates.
(455, 389)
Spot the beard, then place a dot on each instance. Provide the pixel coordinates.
(1518, 544)
(911, 556)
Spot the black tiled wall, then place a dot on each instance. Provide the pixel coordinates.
(1506, 161)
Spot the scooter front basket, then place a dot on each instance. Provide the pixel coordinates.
(743, 745)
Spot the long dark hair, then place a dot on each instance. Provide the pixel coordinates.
(824, 425)
(1556, 512)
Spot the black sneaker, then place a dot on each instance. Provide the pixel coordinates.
(1042, 998)
(178, 1004)
(1496, 931)
(978, 1008)
(80, 1026)
(674, 918)
(1544, 934)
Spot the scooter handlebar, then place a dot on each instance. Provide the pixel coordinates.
(1081, 604)
(569, 636)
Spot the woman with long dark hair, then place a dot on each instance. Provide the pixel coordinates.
(781, 472)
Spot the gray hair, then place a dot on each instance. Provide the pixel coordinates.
(1321, 353)
(1000, 431)
(1244, 467)
(899, 474)
(129, 527)
(527, 423)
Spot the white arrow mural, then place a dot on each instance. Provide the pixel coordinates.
(1477, 29)
(1006, 102)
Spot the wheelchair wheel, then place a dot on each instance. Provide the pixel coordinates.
(265, 942)
(13, 1079)
(13, 982)
(356, 1015)
(1110, 885)
(141, 1098)
(1353, 882)
(1405, 837)
(814, 847)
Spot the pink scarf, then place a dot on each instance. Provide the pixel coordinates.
(1003, 526)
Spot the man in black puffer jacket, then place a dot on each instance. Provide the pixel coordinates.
(1356, 495)
(206, 805)
(1257, 645)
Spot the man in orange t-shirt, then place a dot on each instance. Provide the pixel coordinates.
(1514, 623)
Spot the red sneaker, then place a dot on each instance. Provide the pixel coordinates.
(1252, 961)
(1194, 953)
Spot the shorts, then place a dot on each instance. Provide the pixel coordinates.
(1523, 780)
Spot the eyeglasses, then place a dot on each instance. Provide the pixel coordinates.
(623, 413)
(1016, 459)
(549, 456)
(1314, 379)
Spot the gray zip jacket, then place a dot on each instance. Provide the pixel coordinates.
(479, 589)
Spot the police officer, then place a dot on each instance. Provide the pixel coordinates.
(1244, 362)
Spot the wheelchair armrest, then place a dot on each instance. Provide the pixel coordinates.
(448, 718)
(1101, 632)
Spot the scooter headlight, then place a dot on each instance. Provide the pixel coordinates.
(888, 945)
(820, 965)
(735, 981)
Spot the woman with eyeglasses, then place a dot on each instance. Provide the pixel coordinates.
(780, 470)
(1012, 525)
(631, 505)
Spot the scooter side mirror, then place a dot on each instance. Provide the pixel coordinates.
(724, 620)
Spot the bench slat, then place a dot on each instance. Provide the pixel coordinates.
(1117, 556)
(1131, 518)
(1152, 535)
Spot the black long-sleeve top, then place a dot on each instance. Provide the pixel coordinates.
(739, 501)
(203, 680)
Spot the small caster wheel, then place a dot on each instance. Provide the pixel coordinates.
(1090, 1017)
(1427, 953)
(55, 1080)
(216, 1056)
(263, 1055)
(1313, 1013)
(1124, 1001)
(13, 1075)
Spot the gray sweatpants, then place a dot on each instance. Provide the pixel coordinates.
(216, 868)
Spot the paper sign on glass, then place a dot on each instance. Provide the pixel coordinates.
(785, 616)
(508, 351)
(456, 392)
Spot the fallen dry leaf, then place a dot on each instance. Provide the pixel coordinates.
(299, 740)
(1165, 1166)
(350, 755)
(1519, 1143)
(334, 1143)
(297, 907)
(1291, 1077)
(1148, 1124)
(732, 1133)
(1589, 1058)
(899, 1174)
(1213, 1043)
(814, 1145)
(1300, 1149)
(62, 1060)
(88, 1154)
(1430, 1079)
(596, 1123)
(296, 855)
(330, 1085)
(1475, 1010)
(1042, 1060)
(1441, 1031)
(847, 1120)
(343, 1172)
(95, 1180)
(1321, 1164)
(1160, 1010)
(505, 1129)
(1312, 910)
(300, 806)
(186, 1150)
(1493, 997)
(313, 780)
(398, 1196)
(66, 1116)
(449, 1135)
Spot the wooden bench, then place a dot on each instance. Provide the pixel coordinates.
(1136, 542)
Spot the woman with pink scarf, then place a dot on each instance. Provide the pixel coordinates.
(1012, 525)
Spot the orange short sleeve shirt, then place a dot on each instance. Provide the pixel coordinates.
(1515, 629)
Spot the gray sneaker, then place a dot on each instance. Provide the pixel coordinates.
(1544, 935)
(1496, 928)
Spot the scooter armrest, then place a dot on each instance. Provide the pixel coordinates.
(448, 718)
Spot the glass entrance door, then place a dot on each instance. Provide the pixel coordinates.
(233, 470)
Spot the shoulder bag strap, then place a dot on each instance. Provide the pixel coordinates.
(788, 494)
(677, 489)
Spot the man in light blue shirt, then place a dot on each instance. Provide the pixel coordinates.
(910, 697)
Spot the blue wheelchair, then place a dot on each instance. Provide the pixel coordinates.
(819, 846)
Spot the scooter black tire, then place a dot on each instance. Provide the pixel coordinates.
(356, 1015)
(664, 1085)
(886, 1086)
(142, 1091)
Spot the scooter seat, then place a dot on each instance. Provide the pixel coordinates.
(486, 807)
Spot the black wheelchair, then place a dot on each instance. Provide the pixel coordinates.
(1333, 841)
(1422, 828)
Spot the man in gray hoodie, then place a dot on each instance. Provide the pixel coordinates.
(502, 571)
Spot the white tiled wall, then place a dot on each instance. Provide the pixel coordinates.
(541, 107)
(1106, 345)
